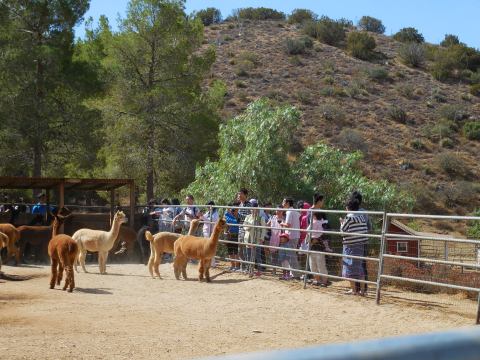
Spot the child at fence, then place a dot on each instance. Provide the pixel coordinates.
(232, 235)
(353, 245)
(275, 231)
(254, 236)
(318, 243)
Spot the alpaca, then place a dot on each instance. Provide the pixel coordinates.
(13, 236)
(63, 251)
(98, 241)
(3, 243)
(163, 242)
(195, 247)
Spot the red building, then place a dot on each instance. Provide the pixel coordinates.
(400, 245)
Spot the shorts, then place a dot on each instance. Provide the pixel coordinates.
(232, 248)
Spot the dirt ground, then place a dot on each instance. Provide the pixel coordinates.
(127, 315)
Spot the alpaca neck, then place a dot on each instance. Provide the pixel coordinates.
(113, 233)
(55, 227)
(213, 241)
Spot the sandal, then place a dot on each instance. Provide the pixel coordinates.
(350, 292)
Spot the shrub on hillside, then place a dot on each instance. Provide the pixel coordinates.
(243, 68)
(209, 16)
(260, 13)
(372, 24)
(471, 130)
(352, 140)
(299, 16)
(332, 113)
(412, 54)
(328, 31)
(452, 164)
(458, 193)
(447, 143)
(298, 46)
(397, 114)
(377, 73)
(409, 34)
(450, 40)
(406, 90)
(475, 89)
(453, 113)
(361, 45)
(473, 229)
(451, 62)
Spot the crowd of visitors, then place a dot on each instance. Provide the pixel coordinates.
(292, 226)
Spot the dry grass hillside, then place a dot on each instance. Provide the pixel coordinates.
(348, 103)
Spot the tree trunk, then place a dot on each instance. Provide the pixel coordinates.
(37, 160)
(150, 183)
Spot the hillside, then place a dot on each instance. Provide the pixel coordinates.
(348, 103)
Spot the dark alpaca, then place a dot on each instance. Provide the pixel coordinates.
(63, 251)
(143, 243)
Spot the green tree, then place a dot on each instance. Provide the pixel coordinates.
(43, 119)
(209, 16)
(159, 121)
(361, 45)
(372, 24)
(409, 34)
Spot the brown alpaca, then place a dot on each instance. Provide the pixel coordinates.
(161, 243)
(63, 251)
(13, 236)
(200, 248)
(3, 243)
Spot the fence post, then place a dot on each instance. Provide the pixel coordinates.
(308, 239)
(380, 264)
(478, 310)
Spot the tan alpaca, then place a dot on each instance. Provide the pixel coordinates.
(63, 251)
(13, 237)
(3, 243)
(98, 241)
(200, 248)
(161, 243)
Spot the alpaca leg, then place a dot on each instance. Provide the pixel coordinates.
(184, 268)
(60, 272)
(208, 263)
(157, 261)
(105, 258)
(81, 259)
(100, 261)
(53, 277)
(176, 267)
(151, 259)
(72, 278)
(67, 277)
(201, 269)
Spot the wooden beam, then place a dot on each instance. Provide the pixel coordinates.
(112, 205)
(132, 205)
(61, 202)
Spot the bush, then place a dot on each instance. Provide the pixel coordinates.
(412, 54)
(397, 114)
(458, 193)
(452, 164)
(332, 113)
(249, 56)
(475, 89)
(352, 140)
(298, 46)
(209, 16)
(377, 73)
(471, 130)
(260, 13)
(244, 67)
(442, 129)
(304, 97)
(438, 95)
(450, 40)
(372, 24)
(447, 143)
(299, 16)
(417, 144)
(326, 30)
(406, 90)
(452, 62)
(409, 34)
(453, 113)
(473, 229)
(360, 45)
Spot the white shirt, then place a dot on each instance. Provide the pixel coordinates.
(293, 219)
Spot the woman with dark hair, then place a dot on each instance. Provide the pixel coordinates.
(353, 245)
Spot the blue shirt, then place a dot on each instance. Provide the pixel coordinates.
(232, 229)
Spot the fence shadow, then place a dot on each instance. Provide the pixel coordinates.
(99, 291)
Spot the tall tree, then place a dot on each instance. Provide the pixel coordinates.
(159, 120)
(43, 121)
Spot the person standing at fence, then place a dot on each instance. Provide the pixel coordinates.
(177, 228)
(353, 245)
(188, 213)
(292, 226)
(254, 235)
(165, 215)
(209, 219)
(232, 235)
(274, 223)
(317, 261)
(242, 214)
(357, 195)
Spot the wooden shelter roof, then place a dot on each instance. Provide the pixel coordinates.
(16, 182)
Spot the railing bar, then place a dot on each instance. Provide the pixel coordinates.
(435, 261)
(433, 283)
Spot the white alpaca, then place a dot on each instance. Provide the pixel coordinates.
(98, 241)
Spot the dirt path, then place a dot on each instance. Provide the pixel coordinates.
(127, 315)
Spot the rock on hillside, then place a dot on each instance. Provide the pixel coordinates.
(355, 104)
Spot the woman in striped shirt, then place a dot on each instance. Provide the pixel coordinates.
(353, 245)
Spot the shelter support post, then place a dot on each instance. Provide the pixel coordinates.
(132, 205)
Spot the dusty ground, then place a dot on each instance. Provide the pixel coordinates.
(127, 315)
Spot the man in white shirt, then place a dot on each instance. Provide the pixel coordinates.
(292, 221)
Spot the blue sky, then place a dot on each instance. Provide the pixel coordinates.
(433, 18)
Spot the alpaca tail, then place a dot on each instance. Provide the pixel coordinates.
(148, 235)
